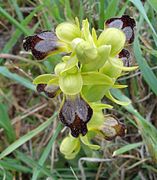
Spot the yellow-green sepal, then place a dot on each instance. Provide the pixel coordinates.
(100, 106)
(85, 140)
(111, 69)
(44, 78)
(119, 86)
(109, 96)
(96, 121)
(118, 63)
(96, 78)
(86, 33)
(94, 92)
(71, 66)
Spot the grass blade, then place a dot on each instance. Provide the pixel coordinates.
(153, 4)
(46, 152)
(126, 148)
(140, 7)
(15, 36)
(68, 11)
(111, 9)
(26, 137)
(17, 9)
(5, 72)
(13, 21)
(101, 14)
(5, 123)
(147, 73)
(31, 163)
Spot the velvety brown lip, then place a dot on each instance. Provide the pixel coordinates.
(41, 44)
(75, 113)
(51, 93)
(125, 56)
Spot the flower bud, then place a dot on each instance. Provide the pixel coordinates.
(112, 127)
(114, 37)
(67, 32)
(85, 53)
(70, 147)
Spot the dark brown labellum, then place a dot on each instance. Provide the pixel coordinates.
(41, 44)
(40, 88)
(126, 24)
(50, 91)
(125, 56)
(75, 113)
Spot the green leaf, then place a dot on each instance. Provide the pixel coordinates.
(68, 10)
(14, 165)
(26, 137)
(96, 78)
(97, 106)
(126, 148)
(147, 73)
(44, 78)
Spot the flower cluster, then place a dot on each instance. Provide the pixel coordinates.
(89, 69)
